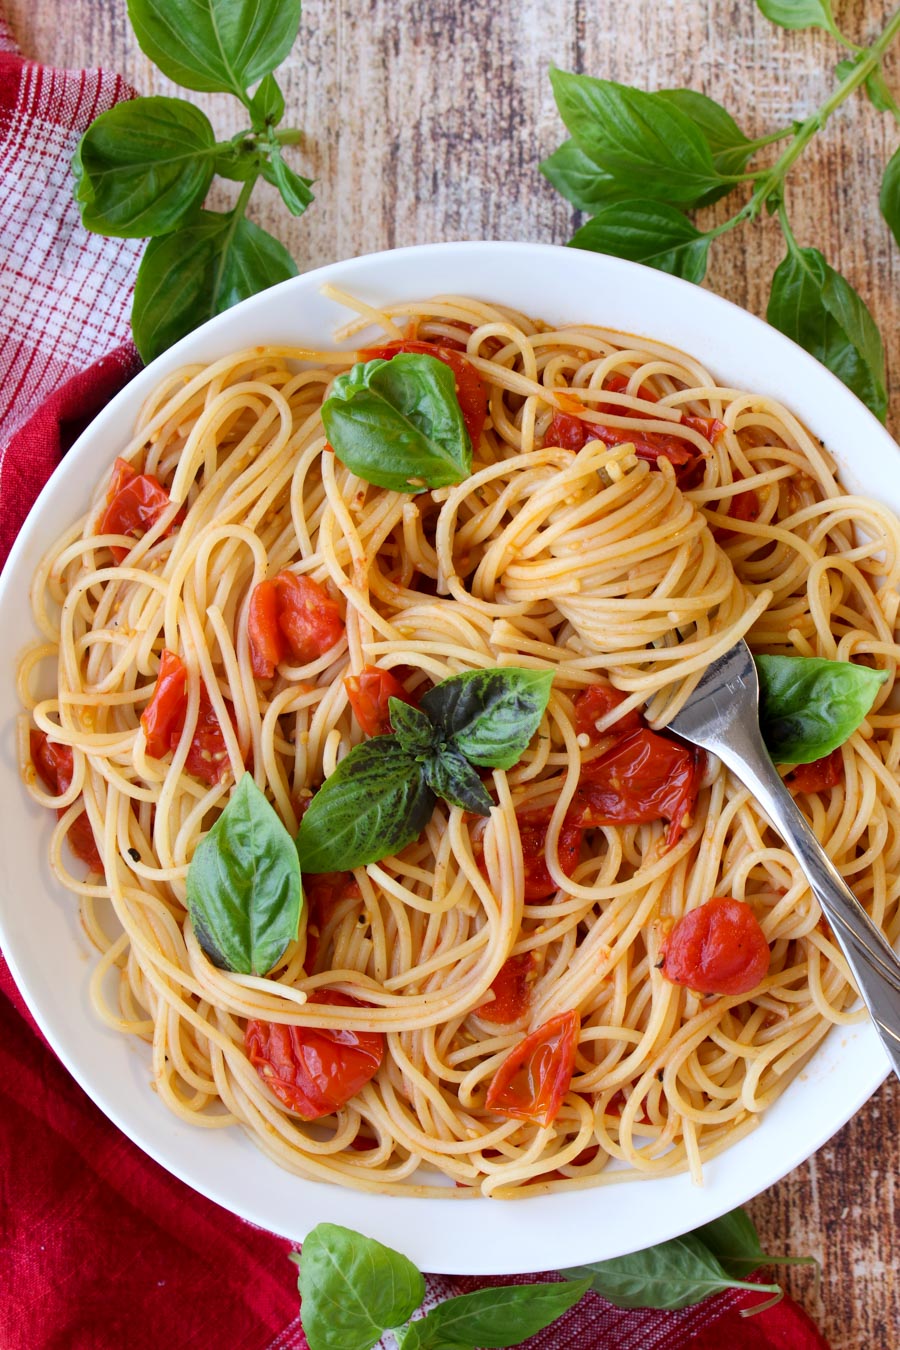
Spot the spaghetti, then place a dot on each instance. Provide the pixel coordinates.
(625, 521)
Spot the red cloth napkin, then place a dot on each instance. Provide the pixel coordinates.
(99, 1247)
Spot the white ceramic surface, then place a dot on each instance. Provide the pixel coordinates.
(51, 957)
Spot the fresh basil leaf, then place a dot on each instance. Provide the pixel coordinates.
(671, 1275)
(879, 94)
(582, 182)
(267, 104)
(490, 715)
(296, 191)
(375, 803)
(809, 706)
(199, 270)
(142, 167)
(398, 424)
(353, 1289)
(643, 139)
(729, 147)
(799, 13)
(452, 777)
(820, 310)
(492, 1318)
(413, 729)
(211, 45)
(239, 161)
(889, 201)
(734, 1242)
(243, 885)
(650, 233)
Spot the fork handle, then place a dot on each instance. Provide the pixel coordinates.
(870, 957)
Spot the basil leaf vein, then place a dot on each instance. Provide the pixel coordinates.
(398, 423)
(375, 803)
(809, 706)
(490, 715)
(243, 885)
(353, 1289)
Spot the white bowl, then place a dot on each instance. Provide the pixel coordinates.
(51, 958)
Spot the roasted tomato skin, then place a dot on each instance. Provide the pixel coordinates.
(266, 638)
(539, 885)
(309, 619)
(163, 723)
(511, 987)
(818, 775)
(134, 503)
(55, 766)
(533, 1079)
(470, 388)
(597, 701)
(369, 692)
(643, 777)
(717, 948)
(314, 1071)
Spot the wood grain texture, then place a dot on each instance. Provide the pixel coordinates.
(425, 121)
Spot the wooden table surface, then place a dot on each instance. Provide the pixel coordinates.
(426, 120)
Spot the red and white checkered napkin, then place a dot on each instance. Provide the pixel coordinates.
(99, 1247)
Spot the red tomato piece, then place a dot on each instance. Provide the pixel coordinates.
(55, 766)
(596, 701)
(135, 501)
(717, 948)
(643, 777)
(511, 987)
(539, 885)
(314, 1070)
(309, 619)
(163, 717)
(369, 692)
(742, 506)
(470, 388)
(568, 432)
(535, 1076)
(266, 638)
(163, 723)
(818, 775)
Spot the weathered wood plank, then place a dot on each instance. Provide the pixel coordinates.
(426, 120)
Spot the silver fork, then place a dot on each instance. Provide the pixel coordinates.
(722, 716)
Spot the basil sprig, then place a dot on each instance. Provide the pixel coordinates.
(638, 161)
(381, 796)
(398, 423)
(354, 1289)
(144, 168)
(243, 885)
(809, 706)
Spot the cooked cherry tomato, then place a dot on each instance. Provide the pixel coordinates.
(511, 987)
(643, 777)
(539, 885)
(55, 766)
(266, 639)
(163, 723)
(596, 701)
(717, 948)
(308, 617)
(818, 775)
(470, 389)
(314, 1070)
(535, 1076)
(163, 717)
(742, 506)
(709, 427)
(369, 692)
(135, 501)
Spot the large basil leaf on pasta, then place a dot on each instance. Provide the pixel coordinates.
(208, 45)
(375, 803)
(670, 1276)
(353, 1289)
(504, 1316)
(243, 885)
(398, 423)
(490, 715)
(809, 706)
